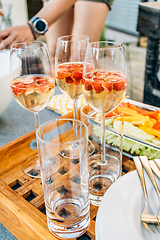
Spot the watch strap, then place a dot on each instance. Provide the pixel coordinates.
(32, 30)
(33, 19)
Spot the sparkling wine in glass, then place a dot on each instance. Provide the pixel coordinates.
(69, 58)
(105, 84)
(32, 86)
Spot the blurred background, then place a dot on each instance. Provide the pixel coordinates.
(122, 26)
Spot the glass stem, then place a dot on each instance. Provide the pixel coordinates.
(36, 118)
(75, 110)
(37, 122)
(75, 116)
(103, 160)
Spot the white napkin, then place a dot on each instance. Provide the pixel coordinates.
(62, 104)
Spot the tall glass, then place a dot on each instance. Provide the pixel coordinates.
(105, 84)
(65, 179)
(32, 85)
(69, 58)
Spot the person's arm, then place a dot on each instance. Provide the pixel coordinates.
(54, 9)
(50, 12)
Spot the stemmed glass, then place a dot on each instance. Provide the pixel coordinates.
(70, 54)
(32, 85)
(69, 58)
(105, 84)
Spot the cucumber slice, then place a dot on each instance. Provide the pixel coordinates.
(131, 130)
(117, 142)
(155, 141)
(149, 152)
(136, 148)
(111, 139)
(127, 144)
(155, 155)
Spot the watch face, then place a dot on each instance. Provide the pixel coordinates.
(40, 25)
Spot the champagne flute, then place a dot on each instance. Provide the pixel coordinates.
(32, 85)
(105, 84)
(69, 58)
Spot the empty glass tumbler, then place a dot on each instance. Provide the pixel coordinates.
(65, 177)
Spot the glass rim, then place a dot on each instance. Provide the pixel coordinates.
(60, 119)
(115, 45)
(84, 38)
(26, 45)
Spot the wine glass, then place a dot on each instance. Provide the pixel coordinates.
(69, 58)
(105, 84)
(32, 85)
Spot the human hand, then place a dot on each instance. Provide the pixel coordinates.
(14, 35)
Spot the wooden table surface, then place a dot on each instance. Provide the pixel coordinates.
(21, 197)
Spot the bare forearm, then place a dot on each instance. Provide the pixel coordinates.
(54, 9)
(50, 12)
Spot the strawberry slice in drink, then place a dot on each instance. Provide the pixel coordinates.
(42, 89)
(17, 88)
(87, 86)
(30, 89)
(42, 81)
(27, 80)
(108, 86)
(77, 77)
(69, 80)
(62, 72)
(97, 86)
(119, 84)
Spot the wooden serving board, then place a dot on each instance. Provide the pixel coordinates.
(22, 209)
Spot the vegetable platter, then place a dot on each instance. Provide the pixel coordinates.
(141, 130)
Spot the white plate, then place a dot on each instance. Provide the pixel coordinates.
(118, 216)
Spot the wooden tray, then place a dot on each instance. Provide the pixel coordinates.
(22, 209)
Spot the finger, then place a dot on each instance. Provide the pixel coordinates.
(12, 43)
(7, 42)
(4, 34)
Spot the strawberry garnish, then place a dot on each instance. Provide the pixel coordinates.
(27, 80)
(87, 86)
(77, 77)
(83, 81)
(108, 86)
(69, 80)
(78, 65)
(119, 84)
(17, 91)
(36, 77)
(62, 73)
(17, 88)
(88, 76)
(97, 86)
(71, 72)
(42, 89)
(15, 84)
(70, 66)
(42, 81)
(30, 89)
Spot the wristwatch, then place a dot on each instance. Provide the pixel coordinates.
(40, 25)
